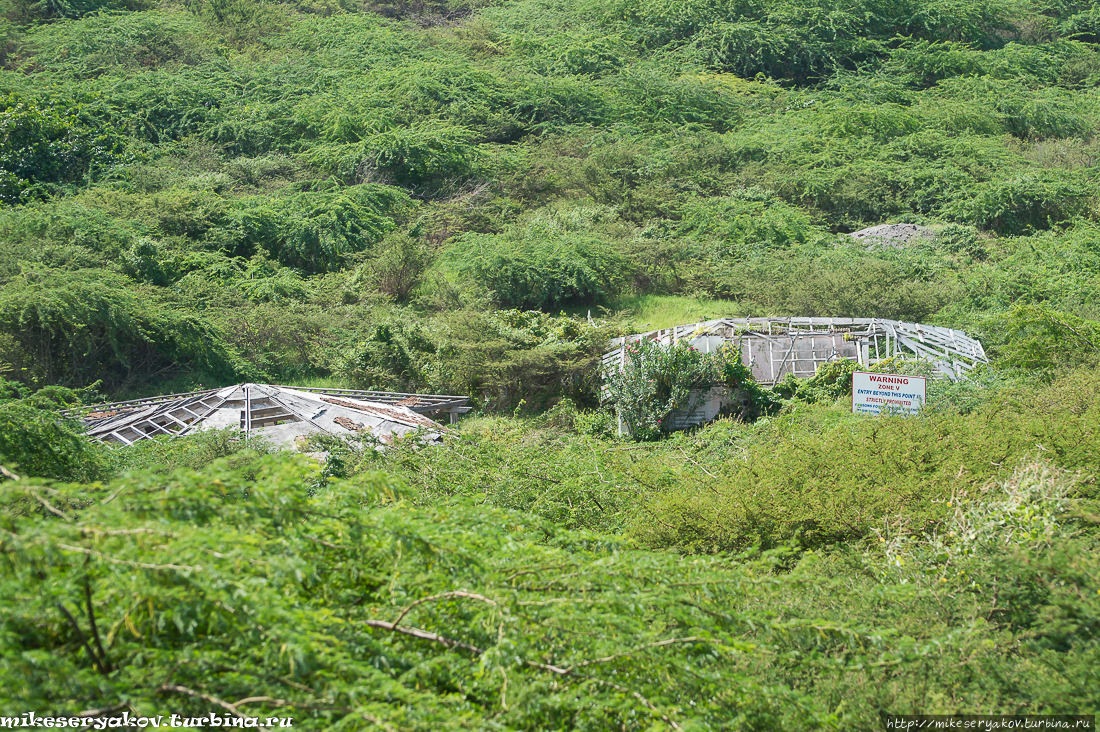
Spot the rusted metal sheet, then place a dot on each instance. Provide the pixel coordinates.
(348, 424)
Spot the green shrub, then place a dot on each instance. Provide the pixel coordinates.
(507, 357)
(315, 231)
(137, 43)
(795, 482)
(43, 143)
(94, 325)
(960, 239)
(596, 423)
(399, 266)
(843, 283)
(53, 9)
(749, 222)
(392, 357)
(830, 382)
(655, 382)
(265, 281)
(548, 628)
(37, 441)
(552, 261)
(1027, 202)
(1038, 338)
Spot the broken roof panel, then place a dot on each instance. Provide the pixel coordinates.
(279, 413)
(775, 347)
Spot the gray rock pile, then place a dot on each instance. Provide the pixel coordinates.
(895, 236)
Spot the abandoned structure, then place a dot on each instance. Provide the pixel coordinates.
(775, 347)
(282, 414)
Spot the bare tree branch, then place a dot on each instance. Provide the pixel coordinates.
(206, 697)
(424, 635)
(49, 508)
(83, 639)
(91, 621)
(103, 712)
(143, 565)
(443, 595)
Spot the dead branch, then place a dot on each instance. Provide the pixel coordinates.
(112, 560)
(90, 713)
(205, 697)
(322, 542)
(49, 508)
(442, 595)
(424, 635)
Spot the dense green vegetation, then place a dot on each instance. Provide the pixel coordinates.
(472, 197)
(209, 191)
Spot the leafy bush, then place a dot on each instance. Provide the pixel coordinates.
(830, 382)
(92, 325)
(749, 222)
(486, 617)
(52, 9)
(1041, 339)
(796, 484)
(1027, 203)
(842, 283)
(108, 42)
(390, 358)
(551, 262)
(507, 357)
(314, 231)
(653, 383)
(596, 423)
(399, 266)
(42, 144)
(959, 239)
(36, 441)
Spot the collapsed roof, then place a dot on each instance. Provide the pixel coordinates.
(282, 414)
(775, 347)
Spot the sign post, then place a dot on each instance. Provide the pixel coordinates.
(878, 393)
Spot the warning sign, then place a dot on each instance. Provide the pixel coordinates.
(877, 393)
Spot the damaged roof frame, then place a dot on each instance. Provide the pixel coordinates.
(283, 413)
(775, 347)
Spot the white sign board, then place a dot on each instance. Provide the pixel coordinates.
(877, 393)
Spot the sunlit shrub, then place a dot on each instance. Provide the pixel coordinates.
(550, 262)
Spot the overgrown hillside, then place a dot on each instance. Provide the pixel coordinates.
(471, 197)
(343, 191)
